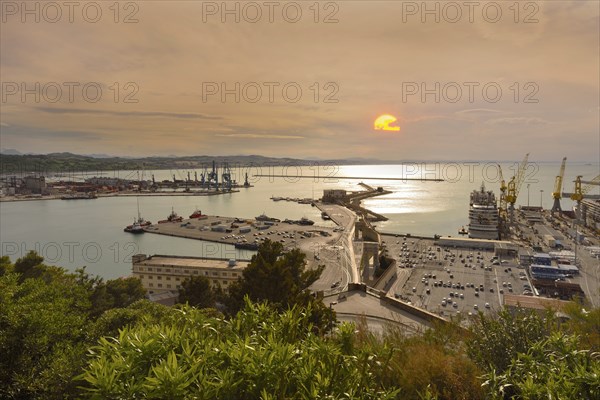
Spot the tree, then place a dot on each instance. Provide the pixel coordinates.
(6, 266)
(32, 266)
(282, 280)
(197, 292)
(46, 324)
(116, 293)
(275, 276)
(43, 332)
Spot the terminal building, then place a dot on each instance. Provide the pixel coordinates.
(334, 195)
(590, 213)
(160, 273)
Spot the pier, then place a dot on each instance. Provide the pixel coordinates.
(333, 178)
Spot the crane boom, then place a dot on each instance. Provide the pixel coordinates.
(502, 206)
(514, 185)
(580, 191)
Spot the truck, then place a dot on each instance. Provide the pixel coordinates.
(549, 240)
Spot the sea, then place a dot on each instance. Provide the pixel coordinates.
(89, 233)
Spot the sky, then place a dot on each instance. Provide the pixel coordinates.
(465, 80)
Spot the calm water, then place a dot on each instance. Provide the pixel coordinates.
(90, 232)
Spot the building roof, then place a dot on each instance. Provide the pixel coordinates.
(531, 302)
(190, 262)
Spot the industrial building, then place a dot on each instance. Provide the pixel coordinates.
(160, 273)
(334, 195)
(590, 213)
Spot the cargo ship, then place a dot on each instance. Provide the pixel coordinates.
(483, 215)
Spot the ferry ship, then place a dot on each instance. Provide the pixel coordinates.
(483, 215)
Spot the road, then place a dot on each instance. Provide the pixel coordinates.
(337, 255)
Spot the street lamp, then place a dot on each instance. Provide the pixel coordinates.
(528, 195)
(541, 199)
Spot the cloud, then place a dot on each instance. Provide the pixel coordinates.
(59, 110)
(477, 111)
(260, 136)
(517, 121)
(21, 132)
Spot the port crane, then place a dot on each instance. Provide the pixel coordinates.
(581, 192)
(514, 186)
(557, 193)
(226, 178)
(502, 214)
(502, 206)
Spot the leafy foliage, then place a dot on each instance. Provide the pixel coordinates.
(553, 368)
(68, 336)
(42, 336)
(258, 354)
(498, 340)
(47, 323)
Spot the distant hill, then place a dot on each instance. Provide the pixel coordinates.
(10, 152)
(11, 162)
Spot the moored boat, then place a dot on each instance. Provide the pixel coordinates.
(264, 217)
(246, 246)
(79, 196)
(173, 217)
(134, 228)
(197, 214)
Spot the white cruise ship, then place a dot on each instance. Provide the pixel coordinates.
(483, 215)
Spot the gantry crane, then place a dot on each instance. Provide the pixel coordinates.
(502, 207)
(514, 186)
(580, 193)
(557, 193)
(502, 226)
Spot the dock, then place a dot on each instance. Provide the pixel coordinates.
(332, 178)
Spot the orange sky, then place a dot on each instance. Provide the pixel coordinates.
(378, 58)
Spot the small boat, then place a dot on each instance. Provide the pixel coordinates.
(276, 198)
(305, 221)
(79, 196)
(264, 217)
(141, 221)
(173, 217)
(134, 228)
(246, 246)
(463, 231)
(197, 214)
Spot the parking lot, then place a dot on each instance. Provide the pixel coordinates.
(453, 281)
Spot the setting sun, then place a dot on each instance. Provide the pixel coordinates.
(382, 123)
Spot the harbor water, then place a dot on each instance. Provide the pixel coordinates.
(90, 233)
